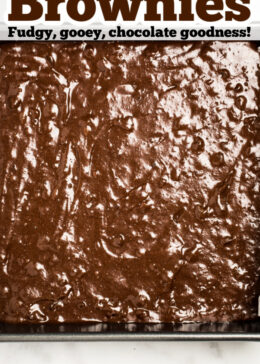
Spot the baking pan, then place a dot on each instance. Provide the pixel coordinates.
(239, 331)
(229, 331)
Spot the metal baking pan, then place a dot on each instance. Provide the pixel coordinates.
(229, 331)
(238, 331)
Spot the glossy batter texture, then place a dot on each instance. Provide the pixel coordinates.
(129, 182)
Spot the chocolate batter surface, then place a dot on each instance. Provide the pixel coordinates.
(129, 182)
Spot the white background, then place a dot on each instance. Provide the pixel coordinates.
(131, 353)
(98, 21)
(5, 7)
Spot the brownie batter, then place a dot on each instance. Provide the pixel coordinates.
(129, 182)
